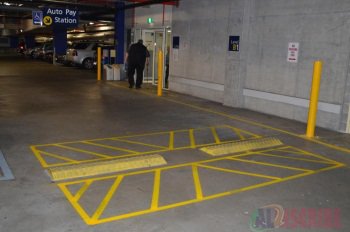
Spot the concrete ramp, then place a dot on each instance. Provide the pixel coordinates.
(104, 167)
(241, 146)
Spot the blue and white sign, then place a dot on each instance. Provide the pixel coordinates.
(61, 17)
(37, 17)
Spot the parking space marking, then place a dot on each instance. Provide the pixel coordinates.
(201, 193)
(238, 172)
(74, 152)
(244, 120)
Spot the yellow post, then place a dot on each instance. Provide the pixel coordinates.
(98, 61)
(160, 73)
(315, 89)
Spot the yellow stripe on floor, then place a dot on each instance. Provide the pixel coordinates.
(105, 167)
(247, 145)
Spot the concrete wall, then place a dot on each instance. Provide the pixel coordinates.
(155, 12)
(203, 28)
(258, 77)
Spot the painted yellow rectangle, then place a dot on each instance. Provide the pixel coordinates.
(105, 167)
(241, 146)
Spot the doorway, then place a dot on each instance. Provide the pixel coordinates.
(155, 40)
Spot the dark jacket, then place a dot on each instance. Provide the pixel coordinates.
(137, 54)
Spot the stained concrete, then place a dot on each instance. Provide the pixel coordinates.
(41, 103)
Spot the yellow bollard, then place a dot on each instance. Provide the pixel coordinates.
(98, 62)
(160, 73)
(315, 89)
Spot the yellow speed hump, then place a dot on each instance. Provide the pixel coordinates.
(47, 20)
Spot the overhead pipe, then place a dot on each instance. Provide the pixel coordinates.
(130, 6)
(57, 3)
(16, 8)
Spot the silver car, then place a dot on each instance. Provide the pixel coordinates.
(82, 54)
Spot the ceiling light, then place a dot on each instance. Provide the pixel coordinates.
(91, 23)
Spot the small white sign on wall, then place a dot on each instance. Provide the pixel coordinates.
(293, 52)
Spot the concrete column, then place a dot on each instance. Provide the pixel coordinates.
(119, 27)
(30, 41)
(60, 40)
(236, 62)
(345, 113)
(14, 40)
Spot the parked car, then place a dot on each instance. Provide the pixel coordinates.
(43, 51)
(103, 47)
(82, 54)
(48, 52)
(31, 51)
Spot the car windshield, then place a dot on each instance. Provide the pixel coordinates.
(80, 46)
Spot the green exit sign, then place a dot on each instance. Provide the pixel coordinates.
(150, 20)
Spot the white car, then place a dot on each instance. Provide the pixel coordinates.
(82, 54)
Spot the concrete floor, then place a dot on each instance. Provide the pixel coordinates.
(45, 104)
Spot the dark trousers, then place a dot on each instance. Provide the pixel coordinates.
(139, 74)
(166, 75)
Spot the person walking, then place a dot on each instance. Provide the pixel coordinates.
(137, 57)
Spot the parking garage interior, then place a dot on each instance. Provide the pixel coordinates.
(224, 135)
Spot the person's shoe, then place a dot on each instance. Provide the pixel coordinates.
(131, 86)
(138, 87)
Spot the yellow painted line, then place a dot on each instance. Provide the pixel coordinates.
(59, 157)
(109, 147)
(75, 204)
(139, 143)
(148, 134)
(272, 165)
(339, 165)
(264, 184)
(39, 157)
(171, 140)
(237, 132)
(92, 142)
(118, 137)
(105, 167)
(245, 131)
(107, 198)
(215, 135)
(83, 151)
(192, 139)
(197, 183)
(180, 204)
(156, 190)
(314, 155)
(152, 170)
(199, 194)
(112, 158)
(82, 190)
(239, 172)
(250, 122)
(190, 164)
(78, 162)
(293, 158)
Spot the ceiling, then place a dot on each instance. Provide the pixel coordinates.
(15, 13)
